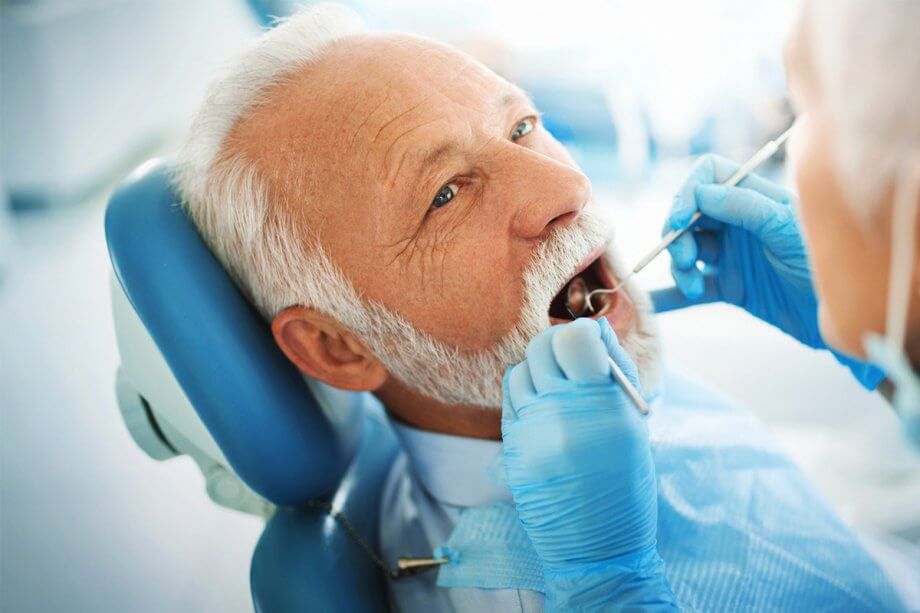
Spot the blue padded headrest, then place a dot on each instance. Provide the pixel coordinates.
(253, 401)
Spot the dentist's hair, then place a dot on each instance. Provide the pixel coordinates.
(866, 58)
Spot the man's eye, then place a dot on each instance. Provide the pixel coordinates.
(445, 195)
(524, 127)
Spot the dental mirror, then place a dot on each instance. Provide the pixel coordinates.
(576, 298)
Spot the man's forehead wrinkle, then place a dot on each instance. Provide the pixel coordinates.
(391, 178)
(396, 171)
(425, 99)
(395, 118)
(383, 167)
(355, 103)
(392, 171)
(390, 84)
(373, 112)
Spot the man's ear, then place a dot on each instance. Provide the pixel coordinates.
(326, 350)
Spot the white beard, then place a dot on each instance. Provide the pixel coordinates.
(455, 376)
(641, 341)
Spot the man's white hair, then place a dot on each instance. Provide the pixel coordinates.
(277, 266)
(866, 57)
(226, 197)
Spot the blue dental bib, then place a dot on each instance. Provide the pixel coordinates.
(739, 526)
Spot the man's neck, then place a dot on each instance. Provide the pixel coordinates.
(413, 409)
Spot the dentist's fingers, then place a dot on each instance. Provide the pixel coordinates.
(713, 170)
(682, 208)
(724, 168)
(509, 415)
(708, 247)
(684, 205)
(580, 353)
(737, 206)
(689, 282)
(544, 372)
(683, 251)
(517, 390)
(616, 351)
(694, 246)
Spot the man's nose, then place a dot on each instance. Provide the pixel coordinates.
(547, 194)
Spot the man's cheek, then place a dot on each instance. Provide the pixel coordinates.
(478, 304)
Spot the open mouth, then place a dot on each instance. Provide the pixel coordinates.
(595, 275)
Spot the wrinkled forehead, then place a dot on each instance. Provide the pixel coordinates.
(396, 82)
(366, 96)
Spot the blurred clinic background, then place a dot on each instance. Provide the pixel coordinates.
(91, 88)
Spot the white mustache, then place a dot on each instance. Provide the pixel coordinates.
(555, 261)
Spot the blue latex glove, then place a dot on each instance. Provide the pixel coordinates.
(578, 463)
(749, 240)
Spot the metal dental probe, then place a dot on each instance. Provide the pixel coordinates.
(764, 154)
(634, 395)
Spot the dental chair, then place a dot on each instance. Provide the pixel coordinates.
(200, 375)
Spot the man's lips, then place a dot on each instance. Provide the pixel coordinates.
(588, 272)
(594, 255)
(596, 272)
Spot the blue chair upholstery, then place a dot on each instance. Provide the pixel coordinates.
(255, 404)
(253, 401)
(293, 570)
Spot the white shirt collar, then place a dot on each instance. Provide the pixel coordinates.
(455, 470)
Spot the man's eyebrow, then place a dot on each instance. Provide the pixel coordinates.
(434, 155)
(438, 153)
(447, 148)
(515, 96)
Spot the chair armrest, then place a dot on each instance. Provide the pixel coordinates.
(305, 560)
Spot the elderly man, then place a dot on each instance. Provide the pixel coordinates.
(407, 225)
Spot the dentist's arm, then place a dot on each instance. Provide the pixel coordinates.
(578, 463)
(748, 242)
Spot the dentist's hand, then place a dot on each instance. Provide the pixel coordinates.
(749, 237)
(578, 463)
